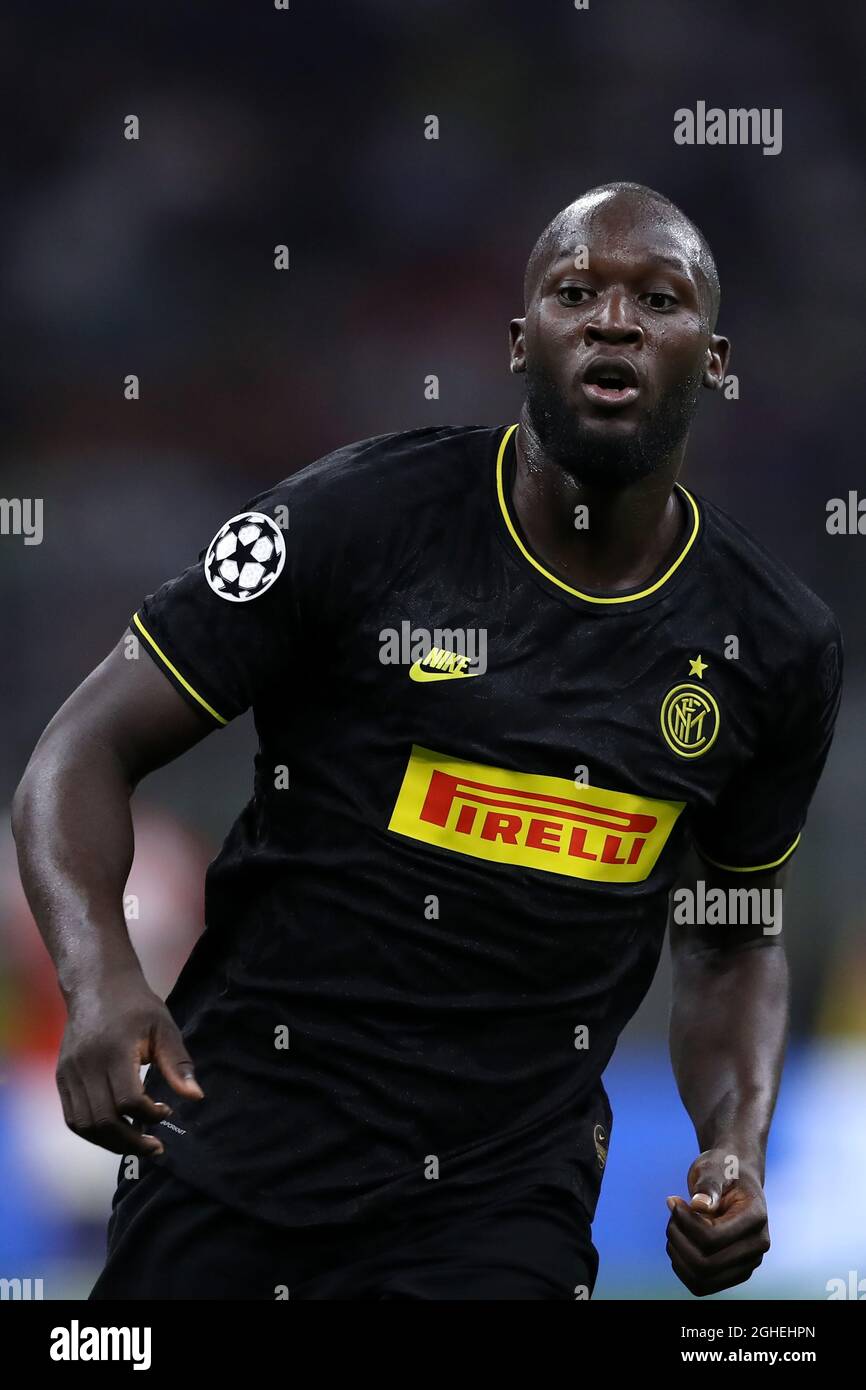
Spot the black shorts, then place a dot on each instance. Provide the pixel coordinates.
(168, 1240)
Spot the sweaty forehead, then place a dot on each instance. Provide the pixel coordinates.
(644, 229)
(623, 228)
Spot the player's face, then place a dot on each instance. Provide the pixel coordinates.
(616, 343)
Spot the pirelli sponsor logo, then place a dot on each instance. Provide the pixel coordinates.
(536, 822)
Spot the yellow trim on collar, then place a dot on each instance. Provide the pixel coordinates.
(560, 583)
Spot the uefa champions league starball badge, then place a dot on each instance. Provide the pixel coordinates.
(245, 557)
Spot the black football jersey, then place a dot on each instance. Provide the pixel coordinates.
(473, 788)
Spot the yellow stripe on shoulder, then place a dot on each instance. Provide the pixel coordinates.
(175, 672)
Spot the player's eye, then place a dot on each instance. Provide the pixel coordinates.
(659, 299)
(573, 294)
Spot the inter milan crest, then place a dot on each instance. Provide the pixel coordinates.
(690, 715)
(245, 557)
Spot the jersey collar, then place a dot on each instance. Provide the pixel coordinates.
(596, 600)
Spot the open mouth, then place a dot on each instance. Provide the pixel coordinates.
(611, 382)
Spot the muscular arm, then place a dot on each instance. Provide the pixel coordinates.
(728, 1028)
(73, 830)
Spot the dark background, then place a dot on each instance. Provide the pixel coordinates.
(155, 257)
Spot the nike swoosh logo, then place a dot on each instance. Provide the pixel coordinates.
(417, 672)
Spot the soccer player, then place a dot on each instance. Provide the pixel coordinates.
(508, 684)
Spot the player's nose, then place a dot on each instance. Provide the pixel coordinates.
(613, 322)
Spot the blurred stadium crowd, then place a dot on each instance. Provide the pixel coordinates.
(155, 257)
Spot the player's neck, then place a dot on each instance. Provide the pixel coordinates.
(622, 538)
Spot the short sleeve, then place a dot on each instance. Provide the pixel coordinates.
(221, 630)
(757, 822)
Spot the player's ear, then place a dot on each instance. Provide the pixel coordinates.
(718, 357)
(518, 345)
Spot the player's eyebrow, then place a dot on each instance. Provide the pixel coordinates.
(675, 262)
(687, 269)
(563, 252)
(658, 258)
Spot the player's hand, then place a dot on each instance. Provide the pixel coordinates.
(110, 1034)
(720, 1236)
